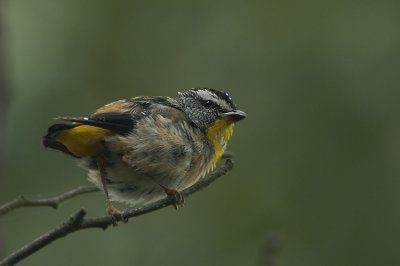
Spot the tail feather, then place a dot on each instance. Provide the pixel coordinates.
(54, 129)
(77, 139)
(49, 141)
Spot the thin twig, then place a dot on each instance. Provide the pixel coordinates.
(54, 201)
(77, 222)
(45, 239)
(106, 221)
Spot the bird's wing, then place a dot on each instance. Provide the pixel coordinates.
(121, 116)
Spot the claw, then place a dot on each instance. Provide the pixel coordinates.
(179, 199)
(118, 215)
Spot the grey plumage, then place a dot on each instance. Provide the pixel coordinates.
(158, 142)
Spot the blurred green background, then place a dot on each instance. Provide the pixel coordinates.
(317, 168)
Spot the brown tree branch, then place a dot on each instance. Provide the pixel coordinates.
(45, 239)
(77, 221)
(53, 201)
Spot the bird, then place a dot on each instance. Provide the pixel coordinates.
(143, 149)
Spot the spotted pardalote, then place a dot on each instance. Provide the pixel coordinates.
(138, 149)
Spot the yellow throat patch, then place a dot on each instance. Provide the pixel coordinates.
(218, 133)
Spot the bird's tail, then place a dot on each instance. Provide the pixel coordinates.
(77, 140)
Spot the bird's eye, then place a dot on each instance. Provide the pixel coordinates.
(208, 103)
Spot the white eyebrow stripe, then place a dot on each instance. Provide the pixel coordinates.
(207, 95)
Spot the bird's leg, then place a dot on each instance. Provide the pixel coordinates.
(110, 209)
(179, 199)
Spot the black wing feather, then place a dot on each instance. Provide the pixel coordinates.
(121, 123)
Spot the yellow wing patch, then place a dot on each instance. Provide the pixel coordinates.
(83, 140)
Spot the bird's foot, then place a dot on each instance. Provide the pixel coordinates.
(118, 215)
(179, 199)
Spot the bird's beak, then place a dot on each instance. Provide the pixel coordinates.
(234, 116)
